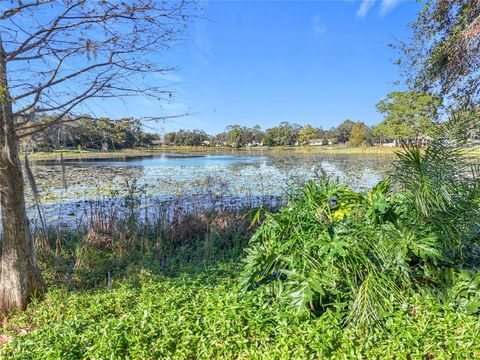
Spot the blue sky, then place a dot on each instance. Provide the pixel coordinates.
(263, 62)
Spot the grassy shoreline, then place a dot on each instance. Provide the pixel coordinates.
(145, 152)
(186, 302)
(69, 154)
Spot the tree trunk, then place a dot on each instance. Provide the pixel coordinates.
(20, 278)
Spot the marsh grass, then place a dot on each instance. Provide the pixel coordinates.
(96, 249)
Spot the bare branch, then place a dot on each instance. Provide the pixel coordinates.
(62, 53)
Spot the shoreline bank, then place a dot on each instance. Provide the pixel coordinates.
(69, 154)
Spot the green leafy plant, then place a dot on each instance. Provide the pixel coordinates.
(332, 247)
(441, 189)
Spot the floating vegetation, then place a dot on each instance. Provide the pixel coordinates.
(218, 176)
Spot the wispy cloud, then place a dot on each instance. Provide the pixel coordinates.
(388, 5)
(170, 77)
(203, 45)
(364, 7)
(317, 26)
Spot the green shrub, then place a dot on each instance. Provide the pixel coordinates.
(441, 188)
(335, 248)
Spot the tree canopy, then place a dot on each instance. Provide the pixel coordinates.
(186, 138)
(444, 54)
(308, 133)
(342, 132)
(358, 134)
(283, 135)
(408, 115)
(93, 133)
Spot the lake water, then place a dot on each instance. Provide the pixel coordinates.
(225, 175)
(176, 173)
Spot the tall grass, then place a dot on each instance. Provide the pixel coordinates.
(107, 238)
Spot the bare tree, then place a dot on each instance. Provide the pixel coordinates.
(54, 56)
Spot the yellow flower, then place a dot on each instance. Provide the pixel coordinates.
(339, 214)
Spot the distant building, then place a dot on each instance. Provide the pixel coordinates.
(158, 143)
(319, 142)
(420, 140)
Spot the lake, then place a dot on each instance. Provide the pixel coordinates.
(168, 175)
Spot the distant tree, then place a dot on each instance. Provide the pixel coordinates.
(256, 134)
(358, 134)
(342, 132)
(308, 133)
(89, 132)
(382, 133)
(369, 136)
(268, 138)
(283, 135)
(186, 138)
(169, 138)
(408, 115)
(236, 135)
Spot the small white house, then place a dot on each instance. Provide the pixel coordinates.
(319, 142)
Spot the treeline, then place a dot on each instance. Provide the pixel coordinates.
(285, 134)
(92, 133)
(409, 117)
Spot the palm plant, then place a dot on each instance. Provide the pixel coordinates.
(440, 184)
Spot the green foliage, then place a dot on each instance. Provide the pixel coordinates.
(335, 248)
(342, 132)
(308, 133)
(186, 138)
(444, 53)
(200, 313)
(408, 115)
(171, 289)
(358, 134)
(462, 126)
(360, 254)
(283, 135)
(87, 132)
(462, 290)
(441, 189)
(238, 136)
